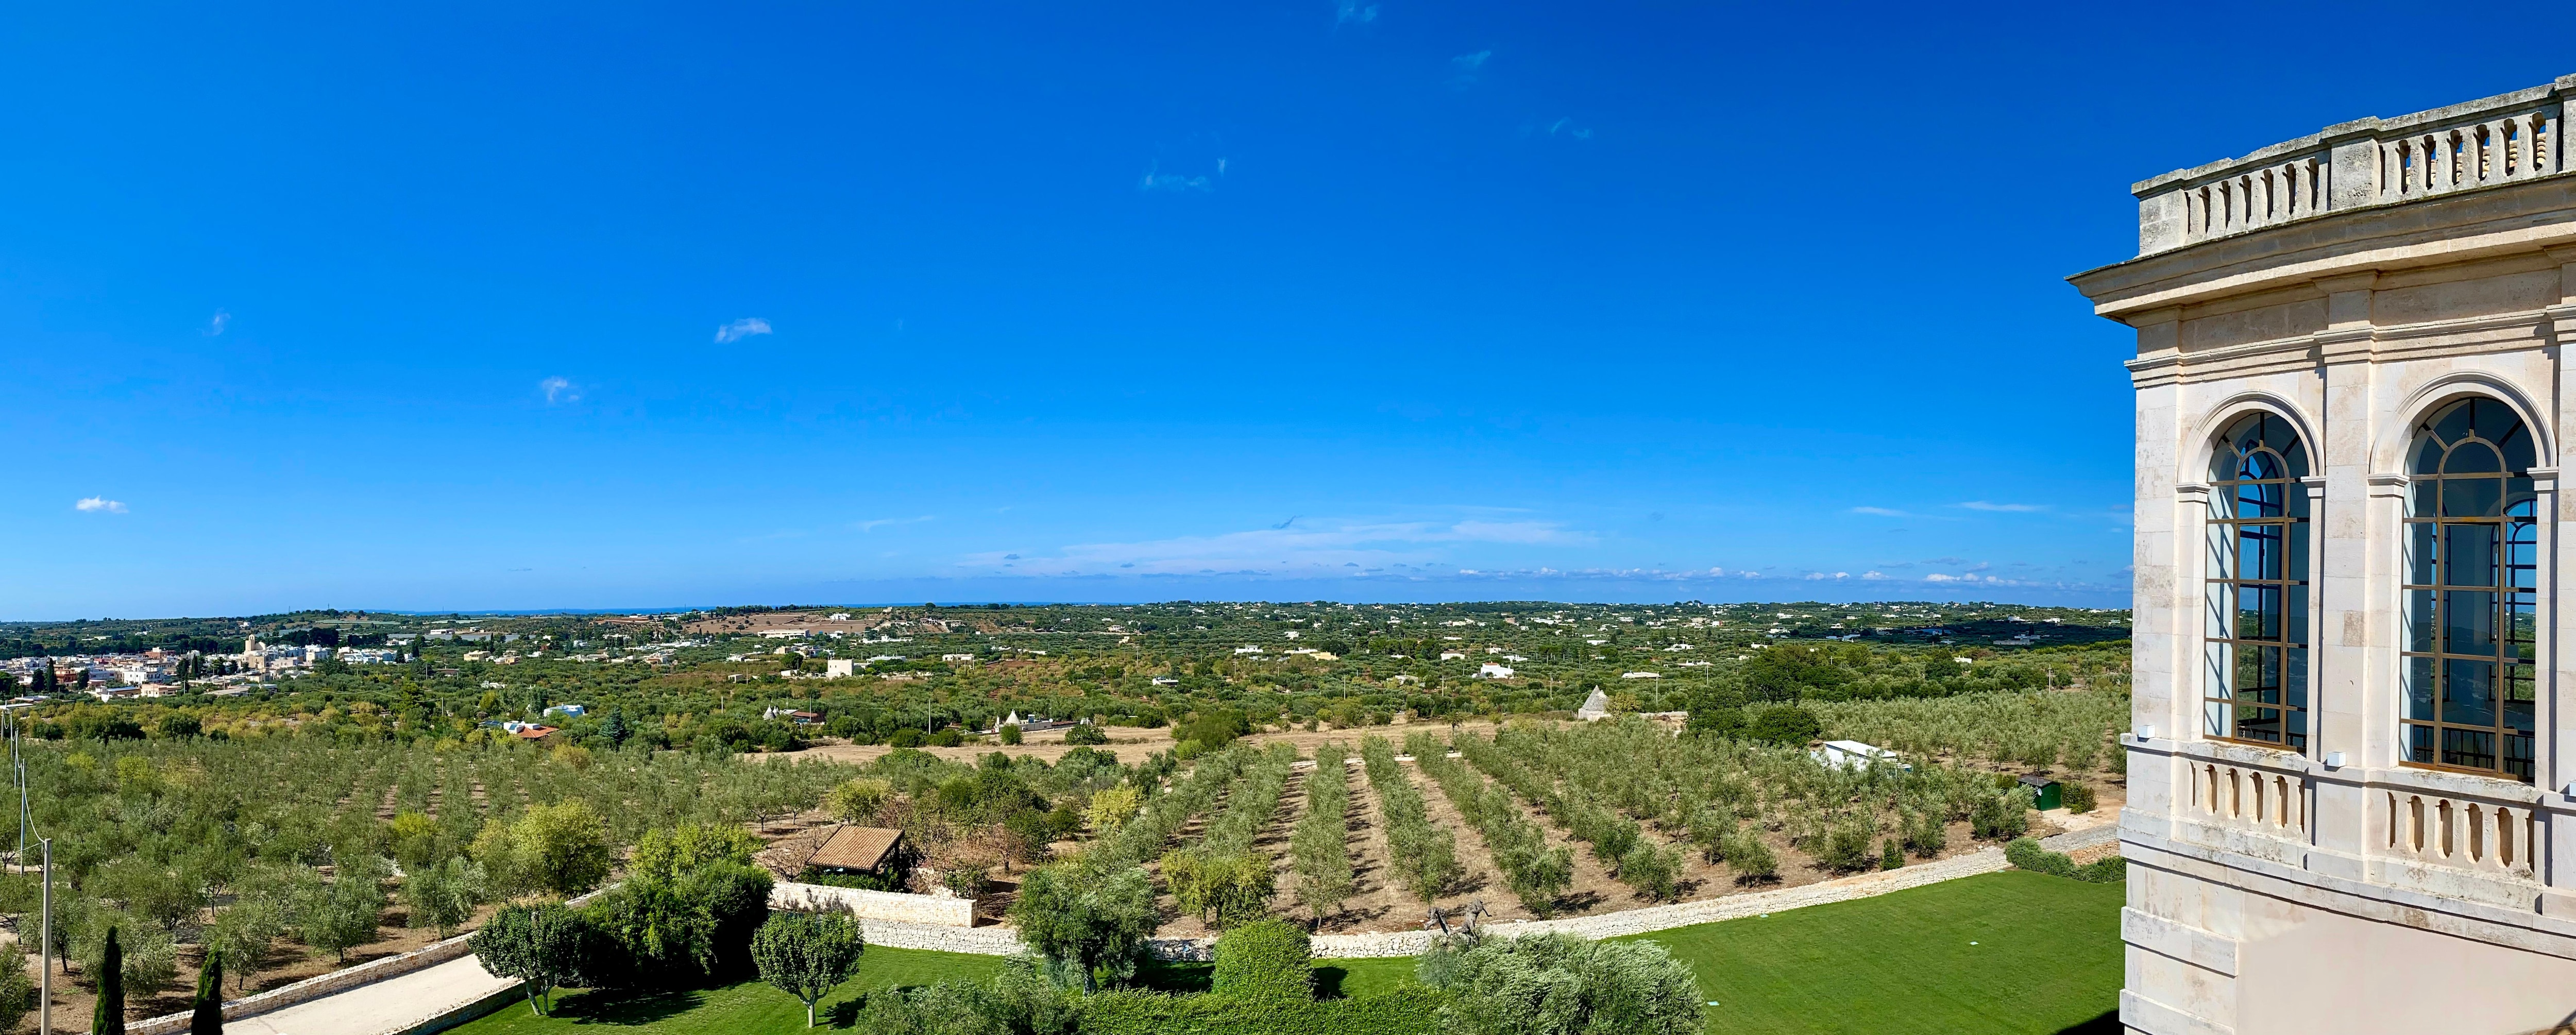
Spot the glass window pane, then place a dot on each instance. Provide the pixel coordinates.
(2472, 458)
(2469, 555)
(2217, 719)
(2419, 620)
(2256, 674)
(2426, 498)
(2294, 678)
(2473, 749)
(2468, 622)
(2472, 497)
(2258, 551)
(2419, 552)
(2419, 688)
(2426, 458)
(2296, 552)
(2258, 612)
(2468, 692)
(2214, 612)
(2419, 743)
(2217, 678)
(2294, 607)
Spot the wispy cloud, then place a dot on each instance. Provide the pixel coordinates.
(215, 327)
(99, 505)
(1880, 512)
(1301, 546)
(2003, 508)
(871, 526)
(1352, 12)
(1155, 181)
(1567, 127)
(740, 329)
(1871, 576)
(1465, 69)
(558, 390)
(1818, 576)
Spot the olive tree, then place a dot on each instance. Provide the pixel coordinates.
(807, 955)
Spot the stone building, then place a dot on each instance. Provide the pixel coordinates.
(2348, 768)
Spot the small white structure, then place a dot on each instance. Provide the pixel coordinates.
(1641, 675)
(1594, 707)
(1852, 754)
(837, 668)
(568, 710)
(1491, 670)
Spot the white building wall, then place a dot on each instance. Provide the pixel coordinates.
(2271, 891)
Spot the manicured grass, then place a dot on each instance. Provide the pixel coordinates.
(749, 1007)
(2047, 959)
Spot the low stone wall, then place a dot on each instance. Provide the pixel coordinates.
(898, 907)
(333, 983)
(316, 987)
(981, 941)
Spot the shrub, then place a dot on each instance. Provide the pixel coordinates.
(1890, 855)
(1927, 833)
(1785, 724)
(1844, 848)
(1112, 807)
(2002, 817)
(1751, 859)
(1411, 1010)
(1089, 922)
(2079, 797)
(906, 737)
(1085, 735)
(1556, 984)
(1266, 959)
(1652, 870)
(1010, 735)
(667, 854)
(2027, 854)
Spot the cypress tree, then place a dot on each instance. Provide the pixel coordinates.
(109, 1017)
(209, 1016)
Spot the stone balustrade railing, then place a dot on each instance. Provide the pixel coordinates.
(2503, 139)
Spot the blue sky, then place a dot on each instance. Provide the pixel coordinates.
(527, 306)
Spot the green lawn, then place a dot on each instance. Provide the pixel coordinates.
(2046, 959)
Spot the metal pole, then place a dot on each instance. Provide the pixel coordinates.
(45, 963)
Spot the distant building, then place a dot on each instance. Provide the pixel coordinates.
(1491, 670)
(1594, 707)
(572, 711)
(1852, 754)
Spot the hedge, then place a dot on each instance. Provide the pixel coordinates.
(1403, 1011)
(2027, 854)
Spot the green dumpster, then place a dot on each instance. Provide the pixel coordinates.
(2045, 794)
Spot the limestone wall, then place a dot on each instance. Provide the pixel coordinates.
(927, 910)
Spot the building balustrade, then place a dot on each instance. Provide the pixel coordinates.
(2370, 162)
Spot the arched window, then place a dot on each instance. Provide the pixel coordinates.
(2472, 550)
(2254, 685)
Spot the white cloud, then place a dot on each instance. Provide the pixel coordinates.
(740, 329)
(2003, 508)
(1871, 576)
(1938, 577)
(1465, 68)
(871, 526)
(558, 390)
(99, 505)
(1567, 127)
(1156, 181)
(216, 326)
(1349, 12)
(1818, 576)
(1880, 512)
